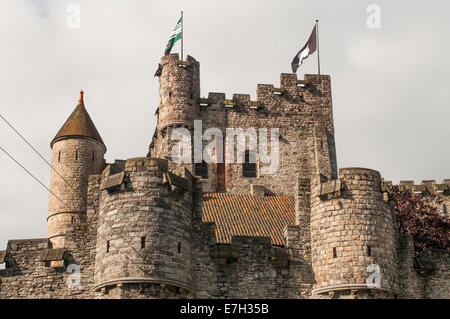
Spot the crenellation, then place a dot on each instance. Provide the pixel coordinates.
(147, 227)
(425, 186)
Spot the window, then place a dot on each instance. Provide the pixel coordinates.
(179, 248)
(93, 156)
(334, 252)
(76, 155)
(369, 251)
(107, 246)
(249, 166)
(142, 242)
(59, 156)
(201, 169)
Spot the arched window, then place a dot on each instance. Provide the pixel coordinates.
(201, 169)
(249, 166)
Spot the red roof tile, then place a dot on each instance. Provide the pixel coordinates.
(247, 215)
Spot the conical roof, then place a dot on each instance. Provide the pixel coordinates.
(79, 124)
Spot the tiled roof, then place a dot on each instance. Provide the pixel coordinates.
(78, 124)
(247, 215)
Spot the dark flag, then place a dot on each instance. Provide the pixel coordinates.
(309, 48)
(159, 70)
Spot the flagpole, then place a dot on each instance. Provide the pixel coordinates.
(318, 51)
(182, 36)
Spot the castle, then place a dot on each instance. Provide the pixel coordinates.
(150, 227)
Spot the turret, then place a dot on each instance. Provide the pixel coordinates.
(179, 92)
(353, 237)
(144, 233)
(77, 152)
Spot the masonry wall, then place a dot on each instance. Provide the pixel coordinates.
(253, 274)
(25, 276)
(144, 233)
(351, 231)
(73, 160)
(254, 269)
(303, 115)
(301, 110)
(423, 276)
(257, 270)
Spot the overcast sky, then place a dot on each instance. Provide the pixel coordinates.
(389, 84)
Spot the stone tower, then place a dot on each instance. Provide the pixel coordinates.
(144, 234)
(353, 237)
(77, 152)
(179, 92)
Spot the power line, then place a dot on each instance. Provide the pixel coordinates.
(35, 150)
(23, 167)
(97, 232)
(42, 157)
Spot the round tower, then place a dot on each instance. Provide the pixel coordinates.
(144, 235)
(77, 152)
(353, 237)
(179, 92)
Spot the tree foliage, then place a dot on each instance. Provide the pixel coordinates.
(418, 216)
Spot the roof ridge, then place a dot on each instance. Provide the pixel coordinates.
(79, 124)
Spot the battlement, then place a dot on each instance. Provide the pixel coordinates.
(139, 164)
(347, 215)
(426, 186)
(350, 179)
(174, 58)
(292, 89)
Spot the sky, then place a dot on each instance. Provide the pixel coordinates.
(389, 78)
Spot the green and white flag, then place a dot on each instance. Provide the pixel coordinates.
(176, 35)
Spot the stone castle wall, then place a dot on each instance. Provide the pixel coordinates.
(300, 109)
(248, 267)
(352, 227)
(136, 230)
(144, 233)
(73, 160)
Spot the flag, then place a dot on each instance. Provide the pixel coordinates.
(176, 35)
(309, 48)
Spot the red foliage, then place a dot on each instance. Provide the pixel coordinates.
(417, 216)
